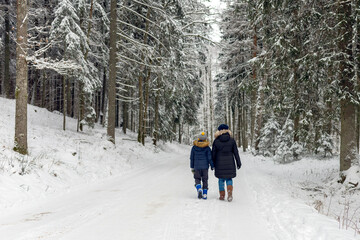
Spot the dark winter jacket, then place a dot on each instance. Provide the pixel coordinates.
(224, 151)
(200, 156)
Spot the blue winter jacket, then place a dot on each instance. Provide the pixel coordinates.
(200, 157)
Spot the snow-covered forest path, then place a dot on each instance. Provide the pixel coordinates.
(159, 202)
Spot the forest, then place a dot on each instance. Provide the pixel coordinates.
(286, 82)
(129, 64)
(291, 74)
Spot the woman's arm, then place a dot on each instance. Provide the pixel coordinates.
(236, 155)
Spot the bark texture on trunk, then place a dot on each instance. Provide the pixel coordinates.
(348, 149)
(125, 117)
(296, 106)
(244, 125)
(112, 73)
(64, 101)
(253, 94)
(156, 123)
(145, 115)
(6, 83)
(21, 93)
(211, 106)
(141, 95)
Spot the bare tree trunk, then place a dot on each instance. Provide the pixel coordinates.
(147, 90)
(7, 51)
(173, 137)
(357, 128)
(329, 106)
(226, 110)
(253, 94)
(211, 104)
(132, 117)
(348, 136)
(230, 115)
(295, 106)
(259, 112)
(233, 119)
(112, 72)
(1, 78)
(356, 52)
(34, 89)
(69, 96)
(117, 113)
(141, 96)
(43, 89)
(81, 104)
(103, 97)
(206, 117)
(244, 125)
(180, 135)
(156, 124)
(51, 94)
(21, 93)
(64, 101)
(125, 117)
(141, 109)
(348, 147)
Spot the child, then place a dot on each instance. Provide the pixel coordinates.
(225, 155)
(200, 159)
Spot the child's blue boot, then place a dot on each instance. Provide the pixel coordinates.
(199, 190)
(205, 194)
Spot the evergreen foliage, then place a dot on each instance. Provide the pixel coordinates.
(160, 43)
(297, 64)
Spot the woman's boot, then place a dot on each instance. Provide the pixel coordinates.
(229, 191)
(222, 195)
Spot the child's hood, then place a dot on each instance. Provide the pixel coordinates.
(201, 144)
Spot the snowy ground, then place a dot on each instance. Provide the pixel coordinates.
(79, 186)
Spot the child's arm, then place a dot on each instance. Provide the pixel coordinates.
(209, 158)
(213, 153)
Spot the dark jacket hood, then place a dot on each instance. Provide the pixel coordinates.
(224, 137)
(222, 132)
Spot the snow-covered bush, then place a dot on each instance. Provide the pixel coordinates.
(268, 135)
(287, 150)
(90, 117)
(325, 145)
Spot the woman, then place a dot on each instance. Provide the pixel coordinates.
(224, 150)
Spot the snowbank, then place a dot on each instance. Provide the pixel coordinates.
(315, 182)
(60, 159)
